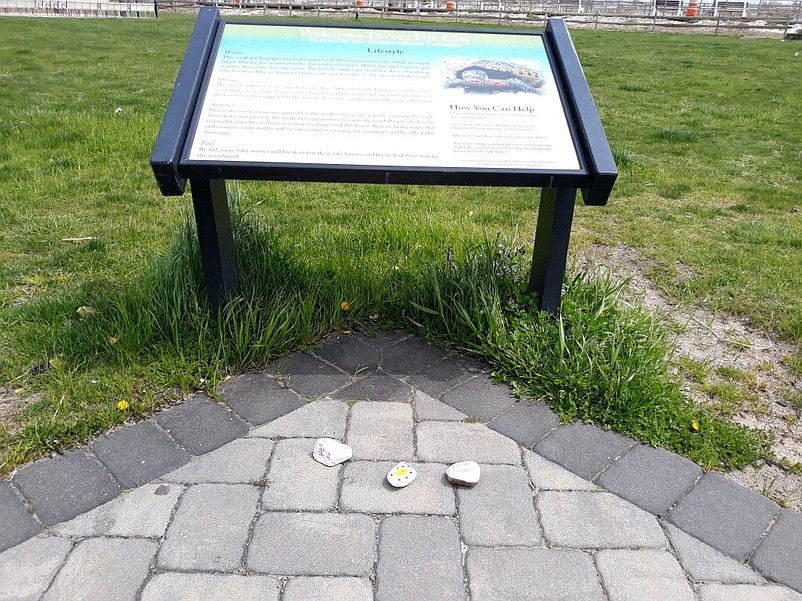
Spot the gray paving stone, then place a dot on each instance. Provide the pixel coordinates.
(210, 528)
(352, 354)
(309, 376)
(427, 408)
(365, 488)
(499, 510)
(142, 512)
(480, 398)
(780, 554)
(296, 482)
(258, 398)
(381, 431)
(172, 586)
(376, 386)
(28, 569)
(746, 592)
(243, 460)
(200, 425)
(448, 442)
(318, 419)
(704, 564)
(138, 453)
(410, 356)
(517, 574)
(17, 524)
(420, 558)
(321, 588)
(103, 568)
(714, 509)
(446, 374)
(582, 448)
(59, 488)
(594, 520)
(381, 339)
(313, 544)
(651, 478)
(643, 575)
(546, 475)
(526, 422)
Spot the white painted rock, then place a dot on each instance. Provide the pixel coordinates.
(401, 475)
(331, 452)
(465, 473)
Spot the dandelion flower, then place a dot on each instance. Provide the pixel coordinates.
(122, 405)
(694, 426)
(345, 306)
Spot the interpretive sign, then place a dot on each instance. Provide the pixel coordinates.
(439, 99)
(279, 101)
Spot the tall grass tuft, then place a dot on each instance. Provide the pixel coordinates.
(599, 360)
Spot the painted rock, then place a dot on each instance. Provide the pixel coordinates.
(401, 475)
(465, 473)
(331, 452)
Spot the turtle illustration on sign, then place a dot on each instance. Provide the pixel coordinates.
(490, 76)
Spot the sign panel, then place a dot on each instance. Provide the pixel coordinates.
(406, 98)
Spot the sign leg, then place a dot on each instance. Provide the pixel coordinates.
(551, 246)
(212, 217)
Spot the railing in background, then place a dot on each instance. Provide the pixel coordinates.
(79, 8)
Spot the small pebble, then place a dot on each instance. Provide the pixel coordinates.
(401, 475)
(331, 452)
(465, 473)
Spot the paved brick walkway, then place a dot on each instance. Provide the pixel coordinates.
(222, 500)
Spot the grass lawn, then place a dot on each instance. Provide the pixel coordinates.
(705, 130)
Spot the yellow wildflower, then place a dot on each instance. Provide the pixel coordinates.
(122, 405)
(345, 306)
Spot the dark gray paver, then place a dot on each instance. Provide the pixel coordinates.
(27, 570)
(780, 554)
(525, 422)
(258, 398)
(103, 568)
(499, 511)
(200, 425)
(446, 374)
(354, 355)
(420, 558)
(480, 398)
(516, 574)
(313, 544)
(381, 339)
(172, 586)
(377, 386)
(583, 449)
(59, 488)
(138, 453)
(715, 511)
(546, 475)
(17, 524)
(651, 478)
(243, 460)
(410, 356)
(308, 376)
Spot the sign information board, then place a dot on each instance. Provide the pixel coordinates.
(409, 98)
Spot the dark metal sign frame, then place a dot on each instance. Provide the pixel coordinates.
(595, 176)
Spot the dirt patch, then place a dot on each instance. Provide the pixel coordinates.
(728, 366)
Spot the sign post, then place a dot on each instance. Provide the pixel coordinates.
(369, 104)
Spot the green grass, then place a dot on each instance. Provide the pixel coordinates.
(709, 153)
